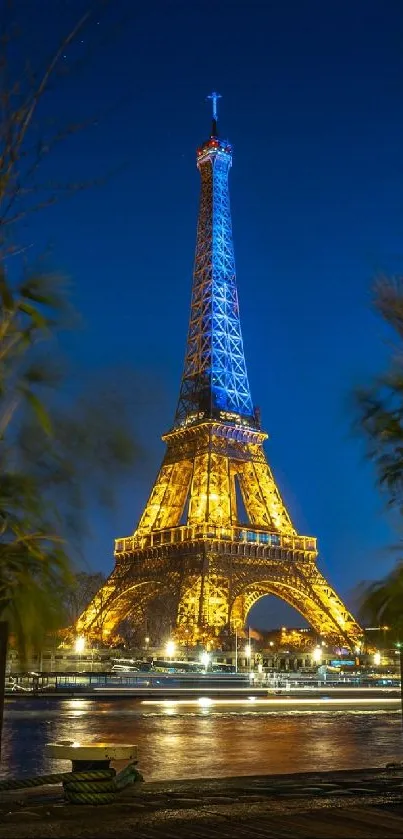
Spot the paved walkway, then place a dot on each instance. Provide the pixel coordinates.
(340, 805)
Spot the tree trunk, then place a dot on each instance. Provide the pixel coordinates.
(3, 657)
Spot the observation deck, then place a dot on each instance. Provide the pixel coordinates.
(239, 536)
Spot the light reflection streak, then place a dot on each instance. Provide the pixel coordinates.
(287, 702)
(265, 690)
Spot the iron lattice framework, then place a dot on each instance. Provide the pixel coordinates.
(190, 548)
(214, 377)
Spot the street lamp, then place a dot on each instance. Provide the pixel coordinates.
(170, 648)
(79, 646)
(400, 651)
(317, 655)
(377, 658)
(248, 653)
(205, 659)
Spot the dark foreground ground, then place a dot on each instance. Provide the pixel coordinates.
(349, 805)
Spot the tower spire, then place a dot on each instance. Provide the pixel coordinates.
(214, 99)
(214, 382)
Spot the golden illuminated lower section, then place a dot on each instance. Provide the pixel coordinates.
(200, 474)
(318, 604)
(208, 569)
(261, 496)
(210, 493)
(167, 499)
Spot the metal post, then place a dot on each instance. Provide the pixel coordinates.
(401, 680)
(236, 651)
(3, 658)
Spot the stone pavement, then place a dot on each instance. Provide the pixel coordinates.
(343, 805)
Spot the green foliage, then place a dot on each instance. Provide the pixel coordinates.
(380, 418)
(34, 565)
(24, 327)
(382, 603)
(50, 456)
(379, 407)
(59, 455)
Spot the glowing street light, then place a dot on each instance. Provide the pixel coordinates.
(79, 645)
(317, 655)
(205, 659)
(248, 653)
(377, 658)
(170, 648)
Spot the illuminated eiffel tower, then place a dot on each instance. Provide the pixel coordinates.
(190, 547)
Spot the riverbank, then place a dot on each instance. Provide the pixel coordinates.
(344, 804)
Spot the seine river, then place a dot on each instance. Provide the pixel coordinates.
(189, 742)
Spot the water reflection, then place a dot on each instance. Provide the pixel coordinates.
(202, 740)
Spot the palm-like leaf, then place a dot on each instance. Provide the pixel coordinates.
(382, 603)
(379, 408)
(380, 417)
(54, 458)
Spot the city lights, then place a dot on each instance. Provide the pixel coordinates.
(377, 658)
(170, 648)
(248, 650)
(79, 645)
(317, 655)
(205, 659)
(204, 701)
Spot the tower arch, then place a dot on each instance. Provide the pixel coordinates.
(111, 605)
(323, 616)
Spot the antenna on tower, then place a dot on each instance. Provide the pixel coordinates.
(214, 99)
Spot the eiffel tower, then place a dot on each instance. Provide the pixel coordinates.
(190, 547)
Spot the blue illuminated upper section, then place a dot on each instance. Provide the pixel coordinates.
(215, 382)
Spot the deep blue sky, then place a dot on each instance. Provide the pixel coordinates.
(312, 102)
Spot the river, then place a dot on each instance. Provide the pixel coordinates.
(202, 741)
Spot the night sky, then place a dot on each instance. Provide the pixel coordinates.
(312, 102)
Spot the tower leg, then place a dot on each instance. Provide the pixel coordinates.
(262, 500)
(167, 500)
